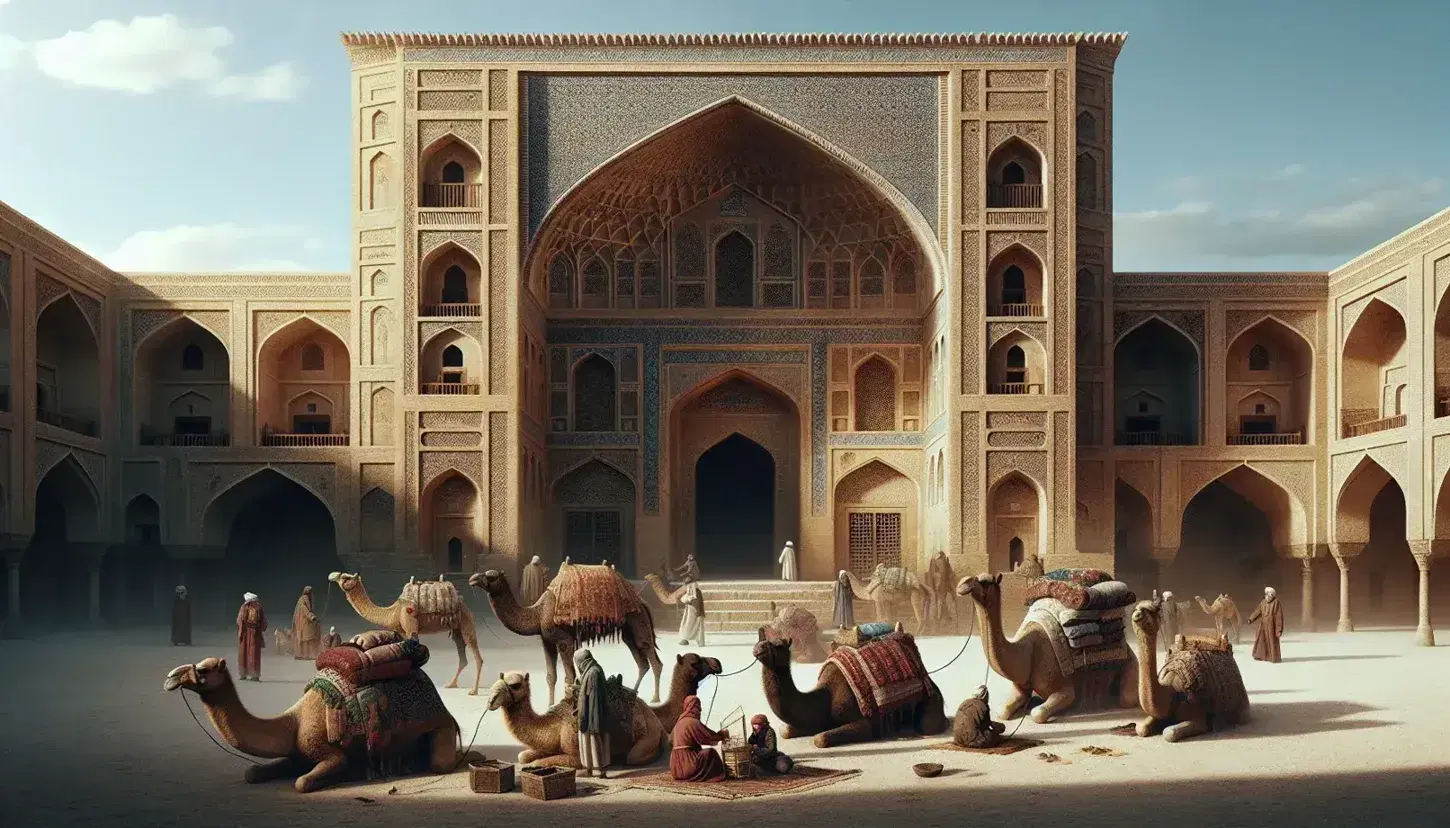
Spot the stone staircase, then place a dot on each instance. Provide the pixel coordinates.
(744, 606)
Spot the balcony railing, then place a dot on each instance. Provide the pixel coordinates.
(450, 195)
(186, 440)
(1014, 388)
(453, 309)
(1294, 438)
(1150, 438)
(1014, 309)
(67, 422)
(450, 388)
(1359, 429)
(303, 440)
(1014, 196)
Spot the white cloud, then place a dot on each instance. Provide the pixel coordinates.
(148, 54)
(11, 50)
(1335, 228)
(214, 247)
(1287, 172)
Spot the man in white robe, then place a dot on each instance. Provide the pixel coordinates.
(692, 617)
(787, 563)
(533, 581)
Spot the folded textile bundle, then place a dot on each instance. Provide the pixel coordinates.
(1068, 617)
(376, 638)
(1081, 577)
(1089, 641)
(862, 633)
(388, 661)
(1079, 631)
(1100, 596)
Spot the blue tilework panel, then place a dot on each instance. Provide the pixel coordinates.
(577, 122)
(586, 438)
(655, 336)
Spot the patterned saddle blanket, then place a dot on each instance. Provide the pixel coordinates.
(1044, 615)
(592, 599)
(885, 673)
(375, 710)
(433, 597)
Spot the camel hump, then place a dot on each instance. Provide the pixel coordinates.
(433, 597)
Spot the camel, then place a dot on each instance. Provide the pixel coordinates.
(552, 738)
(830, 711)
(1031, 665)
(1199, 689)
(637, 627)
(297, 739)
(690, 670)
(1226, 618)
(403, 616)
(888, 589)
(283, 638)
(801, 627)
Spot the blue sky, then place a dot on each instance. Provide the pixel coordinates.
(213, 134)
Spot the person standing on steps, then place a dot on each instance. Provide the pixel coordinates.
(593, 709)
(534, 580)
(843, 614)
(788, 563)
(181, 619)
(692, 618)
(1271, 626)
(251, 623)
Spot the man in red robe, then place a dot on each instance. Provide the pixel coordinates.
(251, 623)
(1271, 626)
(689, 760)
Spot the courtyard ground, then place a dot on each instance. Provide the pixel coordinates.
(1350, 729)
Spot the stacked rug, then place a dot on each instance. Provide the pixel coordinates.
(885, 674)
(1080, 638)
(380, 662)
(593, 600)
(1087, 604)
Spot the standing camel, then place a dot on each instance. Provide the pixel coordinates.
(583, 604)
(443, 612)
(1226, 618)
(890, 588)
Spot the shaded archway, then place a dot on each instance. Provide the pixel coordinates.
(451, 363)
(303, 384)
(1442, 356)
(595, 392)
(181, 390)
(5, 367)
(134, 575)
(1269, 378)
(1014, 284)
(876, 519)
(56, 569)
(1133, 536)
(1156, 362)
(1372, 370)
(594, 506)
(735, 508)
(629, 209)
(451, 172)
(452, 281)
(1015, 522)
(278, 537)
(450, 523)
(737, 404)
(67, 369)
(1232, 532)
(1014, 176)
(1016, 365)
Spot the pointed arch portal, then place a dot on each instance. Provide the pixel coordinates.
(278, 536)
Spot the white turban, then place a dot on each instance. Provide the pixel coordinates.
(249, 596)
(1167, 596)
(535, 560)
(788, 543)
(1269, 591)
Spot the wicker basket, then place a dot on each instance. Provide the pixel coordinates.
(545, 784)
(491, 776)
(739, 762)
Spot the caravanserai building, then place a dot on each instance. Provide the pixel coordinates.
(628, 297)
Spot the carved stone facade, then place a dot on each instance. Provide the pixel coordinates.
(581, 264)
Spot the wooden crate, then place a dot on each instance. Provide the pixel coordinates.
(545, 784)
(491, 776)
(739, 762)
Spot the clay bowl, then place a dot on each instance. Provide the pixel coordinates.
(926, 770)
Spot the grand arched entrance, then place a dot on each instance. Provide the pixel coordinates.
(56, 571)
(735, 475)
(278, 536)
(1231, 530)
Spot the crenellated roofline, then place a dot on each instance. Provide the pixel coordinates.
(1112, 41)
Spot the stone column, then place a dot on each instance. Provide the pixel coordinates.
(1344, 555)
(1306, 587)
(1424, 631)
(14, 553)
(94, 554)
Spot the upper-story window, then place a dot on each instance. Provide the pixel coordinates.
(1258, 358)
(312, 357)
(192, 358)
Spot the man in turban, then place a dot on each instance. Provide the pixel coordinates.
(1271, 626)
(973, 726)
(689, 759)
(251, 623)
(763, 747)
(306, 631)
(593, 711)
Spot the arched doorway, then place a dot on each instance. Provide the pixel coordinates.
(595, 522)
(134, 574)
(451, 522)
(740, 422)
(55, 574)
(1383, 577)
(278, 537)
(735, 508)
(1015, 522)
(1231, 529)
(1133, 536)
(182, 387)
(876, 519)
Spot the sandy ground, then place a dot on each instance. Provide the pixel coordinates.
(1348, 730)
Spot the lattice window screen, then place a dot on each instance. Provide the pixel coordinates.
(874, 538)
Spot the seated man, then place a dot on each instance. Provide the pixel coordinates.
(690, 760)
(763, 747)
(973, 726)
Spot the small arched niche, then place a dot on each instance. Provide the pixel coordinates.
(1014, 284)
(451, 172)
(1374, 366)
(451, 364)
(1014, 176)
(182, 387)
(1015, 365)
(451, 284)
(303, 364)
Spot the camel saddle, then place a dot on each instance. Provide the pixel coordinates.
(1044, 614)
(360, 667)
(885, 673)
(619, 699)
(376, 709)
(1202, 643)
(432, 597)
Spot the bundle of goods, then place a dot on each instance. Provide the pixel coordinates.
(885, 673)
(1201, 643)
(862, 633)
(438, 599)
(374, 656)
(1080, 589)
(594, 600)
(1080, 638)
